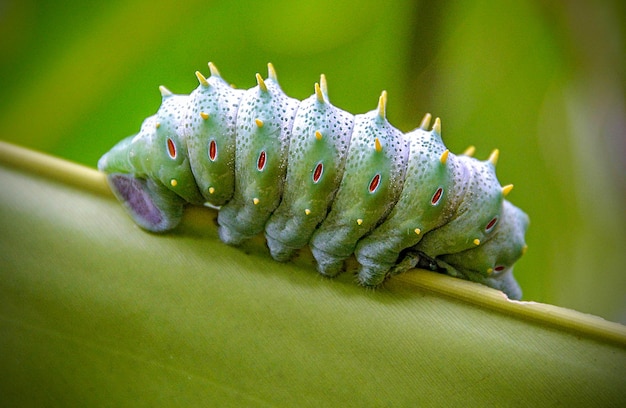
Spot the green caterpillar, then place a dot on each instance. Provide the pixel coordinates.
(307, 172)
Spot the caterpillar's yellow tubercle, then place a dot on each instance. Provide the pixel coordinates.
(308, 173)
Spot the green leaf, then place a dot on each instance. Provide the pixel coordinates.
(542, 83)
(95, 311)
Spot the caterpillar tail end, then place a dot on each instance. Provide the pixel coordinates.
(152, 207)
(504, 282)
(510, 286)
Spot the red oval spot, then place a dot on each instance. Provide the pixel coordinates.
(171, 148)
(212, 150)
(437, 196)
(317, 173)
(374, 183)
(499, 268)
(491, 224)
(260, 164)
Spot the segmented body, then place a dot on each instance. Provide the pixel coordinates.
(307, 172)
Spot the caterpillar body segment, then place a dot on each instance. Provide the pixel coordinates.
(372, 180)
(211, 137)
(316, 160)
(264, 123)
(307, 172)
(427, 195)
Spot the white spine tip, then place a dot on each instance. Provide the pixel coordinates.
(261, 83)
(493, 157)
(324, 86)
(271, 72)
(165, 92)
(377, 145)
(213, 69)
(202, 79)
(425, 121)
(437, 126)
(319, 94)
(444, 156)
(382, 105)
(507, 189)
(469, 151)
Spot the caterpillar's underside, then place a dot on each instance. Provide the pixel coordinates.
(307, 172)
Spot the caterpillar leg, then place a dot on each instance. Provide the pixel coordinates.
(378, 257)
(151, 206)
(373, 273)
(408, 261)
(327, 264)
(230, 235)
(280, 252)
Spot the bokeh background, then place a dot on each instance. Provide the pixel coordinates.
(543, 81)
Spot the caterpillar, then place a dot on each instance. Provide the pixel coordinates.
(308, 173)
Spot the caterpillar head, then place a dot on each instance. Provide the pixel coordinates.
(477, 212)
(149, 172)
(491, 263)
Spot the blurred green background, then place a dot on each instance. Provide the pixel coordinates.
(543, 81)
